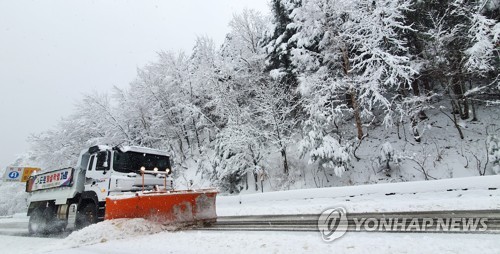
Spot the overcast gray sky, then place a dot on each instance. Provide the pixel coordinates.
(53, 51)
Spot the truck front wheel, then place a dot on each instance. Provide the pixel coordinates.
(86, 216)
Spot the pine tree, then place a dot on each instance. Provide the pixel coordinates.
(279, 45)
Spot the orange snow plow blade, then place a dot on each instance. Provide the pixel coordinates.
(173, 207)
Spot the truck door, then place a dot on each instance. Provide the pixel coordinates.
(98, 174)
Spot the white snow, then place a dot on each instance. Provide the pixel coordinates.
(139, 235)
(112, 230)
(448, 194)
(286, 242)
(263, 242)
(139, 149)
(21, 245)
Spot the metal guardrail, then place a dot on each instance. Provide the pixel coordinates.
(309, 222)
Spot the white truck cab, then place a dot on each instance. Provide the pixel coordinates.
(70, 198)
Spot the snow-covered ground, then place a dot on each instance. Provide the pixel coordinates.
(139, 235)
(280, 242)
(468, 193)
(120, 240)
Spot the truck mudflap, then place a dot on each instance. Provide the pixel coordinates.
(186, 207)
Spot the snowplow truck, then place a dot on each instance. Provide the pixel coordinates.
(113, 182)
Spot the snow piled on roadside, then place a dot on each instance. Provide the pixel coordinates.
(110, 230)
(468, 193)
(234, 242)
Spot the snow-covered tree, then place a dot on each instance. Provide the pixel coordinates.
(275, 117)
(483, 54)
(240, 71)
(453, 38)
(279, 46)
(236, 148)
(322, 72)
(243, 42)
(277, 41)
(94, 122)
(493, 144)
(353, 61)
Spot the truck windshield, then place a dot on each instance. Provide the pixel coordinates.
(132, 162)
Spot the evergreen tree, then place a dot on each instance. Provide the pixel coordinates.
(279, 45)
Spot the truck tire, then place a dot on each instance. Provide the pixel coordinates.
(37, 222)
(86, 216)
(42, 221)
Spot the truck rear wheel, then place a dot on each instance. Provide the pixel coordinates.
(42, 221)
(86, 216)
(37, 222)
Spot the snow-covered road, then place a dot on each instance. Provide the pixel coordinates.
(261, 242)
